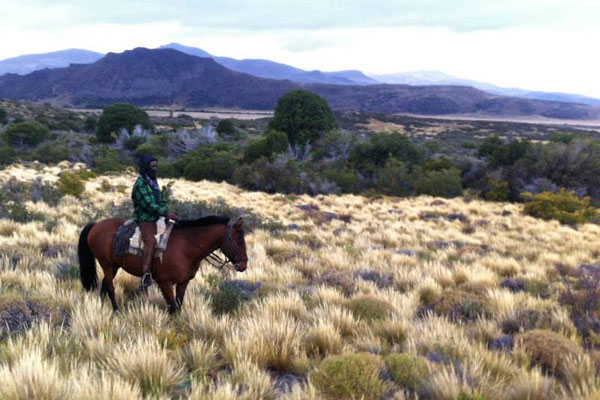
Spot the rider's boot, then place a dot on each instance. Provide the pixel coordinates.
(146, 263)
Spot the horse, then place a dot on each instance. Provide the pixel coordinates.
(190, 242)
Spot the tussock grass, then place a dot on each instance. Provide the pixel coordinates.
(385, 282)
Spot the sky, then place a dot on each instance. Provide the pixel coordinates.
(548, 45)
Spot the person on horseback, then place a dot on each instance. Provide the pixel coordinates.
(148, 206)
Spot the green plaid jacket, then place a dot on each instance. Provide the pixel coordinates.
(145, 207)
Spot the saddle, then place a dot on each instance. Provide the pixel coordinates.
(128, 239)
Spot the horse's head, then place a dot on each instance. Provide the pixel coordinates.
(234, 245)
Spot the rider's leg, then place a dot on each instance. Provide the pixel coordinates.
(148, 230)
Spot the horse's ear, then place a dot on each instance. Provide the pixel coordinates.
(238, 223)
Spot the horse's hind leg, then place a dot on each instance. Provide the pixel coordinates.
(108, 287)
(167, 290)
(180, 292)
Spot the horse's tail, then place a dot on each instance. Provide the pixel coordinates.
(87, 261)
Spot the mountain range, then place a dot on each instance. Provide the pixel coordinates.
(161, 77)
(269, 69)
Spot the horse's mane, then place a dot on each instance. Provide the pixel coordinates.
(204, 221)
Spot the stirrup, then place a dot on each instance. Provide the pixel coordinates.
(147, 279)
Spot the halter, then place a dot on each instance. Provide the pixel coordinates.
(214, 258)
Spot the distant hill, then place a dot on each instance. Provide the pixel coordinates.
(273, 70)
(170, 77)
(32, 62)
(440, 78)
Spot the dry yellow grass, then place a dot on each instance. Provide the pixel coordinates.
(387, 251)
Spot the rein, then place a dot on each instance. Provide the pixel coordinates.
(213, 258)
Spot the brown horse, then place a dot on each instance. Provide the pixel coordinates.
(190, 242)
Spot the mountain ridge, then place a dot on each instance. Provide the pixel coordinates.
(168, 77)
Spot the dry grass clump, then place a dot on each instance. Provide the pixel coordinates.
(547, 349)
(351, 376)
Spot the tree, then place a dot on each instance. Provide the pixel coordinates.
(3, 117)
(303, 116)
(225, 127)
(120, 116)
(25, 133)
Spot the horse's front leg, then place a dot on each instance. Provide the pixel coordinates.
(167, 290)
(180, 292)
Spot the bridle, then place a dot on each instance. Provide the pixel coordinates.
(214, 259)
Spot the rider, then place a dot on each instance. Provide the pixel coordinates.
(148, 208)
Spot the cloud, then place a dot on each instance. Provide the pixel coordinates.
(457, 15)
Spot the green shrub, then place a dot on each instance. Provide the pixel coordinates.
(345, 179)
(51, 153)
(443, 183)
(369, 308)
(227, 297)
(303, 116)
(407, 370)
(394, 179)
(71, 183)
(28, 133)
(108, 161)
(7, 155)
(461, 305)
(157, 145)
(350, 376)
(133, 142)
(210, 164)
(374, 154)
(270, 178)
(90, 124)
(3, 117)
(548, 349)
(225, 127)
(499, 191)
(267, 146)
(120, 116)
(563, 206)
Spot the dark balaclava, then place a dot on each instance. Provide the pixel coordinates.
(149, 175)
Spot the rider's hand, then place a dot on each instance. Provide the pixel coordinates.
(172, 215)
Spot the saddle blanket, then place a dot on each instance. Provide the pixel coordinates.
(129, 238)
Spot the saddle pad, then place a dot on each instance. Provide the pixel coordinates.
(121, 241)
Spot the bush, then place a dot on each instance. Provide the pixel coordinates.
(350, 376)
(369, 308)
(51, 153)
(90, 124)
(394, 179)
(563, 206)
(271, 143)
(548, 349)
(208, 162)
(460, 305)
(499, 191)
(375, 153)
(407, 370)
(108, 161)
(28, 133)
(7, 155)
(443, 183)
(120, 116)
(304, 116)
(71, 183)
(225, 127)
(133, 142)
(264, 176)
(227, 298)
(345, 179)
(3, 117)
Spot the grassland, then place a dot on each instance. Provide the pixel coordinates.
(345, 275)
